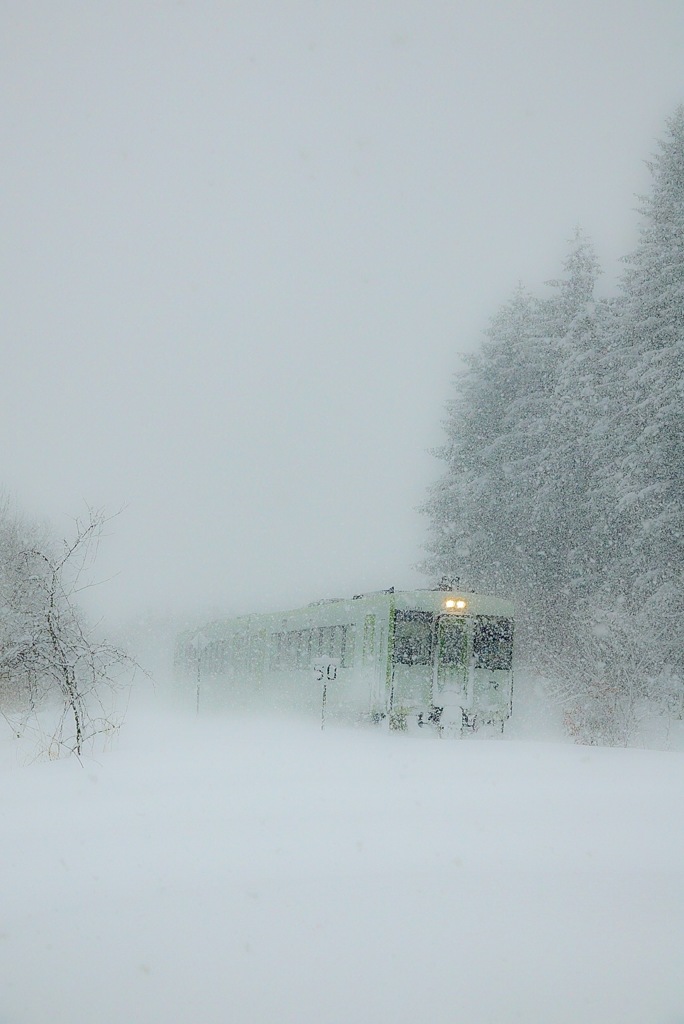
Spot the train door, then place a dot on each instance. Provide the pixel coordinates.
(412, 661)
(450, 666)
(372, 671)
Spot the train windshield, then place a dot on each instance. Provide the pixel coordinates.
(451, 641)
(493, 643)
(413, 631)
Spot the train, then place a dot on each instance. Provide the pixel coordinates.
(411, 660)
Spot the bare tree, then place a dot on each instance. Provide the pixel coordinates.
(49, 655)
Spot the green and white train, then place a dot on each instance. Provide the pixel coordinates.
(410, 659)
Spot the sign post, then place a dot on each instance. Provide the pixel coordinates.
(199, 643)
(325, 671)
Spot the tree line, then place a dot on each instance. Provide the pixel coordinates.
(564, 472)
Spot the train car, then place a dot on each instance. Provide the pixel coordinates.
(411, 659)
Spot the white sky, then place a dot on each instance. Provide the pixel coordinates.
(243, 244)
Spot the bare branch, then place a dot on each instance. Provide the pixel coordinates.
(47, 651)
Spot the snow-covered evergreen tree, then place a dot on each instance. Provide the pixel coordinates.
(509, 512)
(564, 470)
(647, 424)
(564, 480)
(473, 507)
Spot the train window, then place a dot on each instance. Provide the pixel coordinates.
(316, 642)
(348, 645)
(493, 643)
(327, 641)
(369, 638)
(413, 638)
(452, 641)
(257, 649)
(297, 656)
(286, 651)
(307, 648)
(276, 649)
(336, 641)
(294, 646)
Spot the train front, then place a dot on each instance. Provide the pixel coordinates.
(452, 662)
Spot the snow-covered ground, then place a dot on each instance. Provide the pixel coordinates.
(222, 870)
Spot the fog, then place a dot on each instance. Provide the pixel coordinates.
(244, 244)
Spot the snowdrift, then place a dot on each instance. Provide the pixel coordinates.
(246, 871)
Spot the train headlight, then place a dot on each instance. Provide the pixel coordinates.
(455, 604)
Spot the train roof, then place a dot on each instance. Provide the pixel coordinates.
(329, 609)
